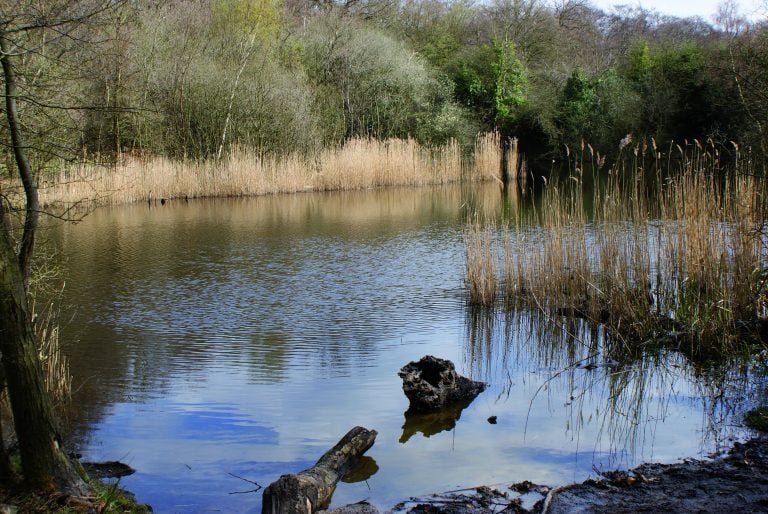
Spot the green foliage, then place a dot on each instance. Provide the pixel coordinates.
(474, 81)
(577, 108)
(680, 97)
(748, 58)
(193, 78)
(639, 62)
(436, 29)
(181, 78)
(695, 104)
(617, 111)
(381, 87)
(492, 82)
(511, 81)
(600, 110)
(51, 75)
(680, 62)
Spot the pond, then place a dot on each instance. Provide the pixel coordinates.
(217, 339)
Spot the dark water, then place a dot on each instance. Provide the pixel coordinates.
(245, 337)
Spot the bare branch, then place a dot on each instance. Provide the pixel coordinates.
(44, 22)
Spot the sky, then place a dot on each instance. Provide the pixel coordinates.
(683, 8)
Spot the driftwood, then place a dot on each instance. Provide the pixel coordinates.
(432, 384)
(311, 490)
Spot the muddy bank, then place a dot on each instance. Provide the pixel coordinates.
(735, 482)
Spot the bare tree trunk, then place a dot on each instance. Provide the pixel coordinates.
(25, 171)
(43, 462)
(7, 474)
(247, 51)
(504, 161)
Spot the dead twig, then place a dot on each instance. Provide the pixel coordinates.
(258, 486)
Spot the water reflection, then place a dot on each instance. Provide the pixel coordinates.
(364, 469)
(431, 423)
(198, 285)
(248, 336)
(623, 395)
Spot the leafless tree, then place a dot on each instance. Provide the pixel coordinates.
(32, 31)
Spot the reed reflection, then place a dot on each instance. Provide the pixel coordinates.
(624, 395)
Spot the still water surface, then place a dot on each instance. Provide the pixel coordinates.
(245, 337)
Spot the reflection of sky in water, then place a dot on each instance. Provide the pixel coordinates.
(185, 444)
(247, 337)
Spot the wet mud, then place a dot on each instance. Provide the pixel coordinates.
(734, 482)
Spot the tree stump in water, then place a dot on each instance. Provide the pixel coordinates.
(432, 384)
(311, 490)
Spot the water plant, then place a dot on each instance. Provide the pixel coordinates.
(655, 249)
(482, 282)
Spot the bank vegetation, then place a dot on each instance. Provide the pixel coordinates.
(651, 251)
(296, 91)
(115, 101)
(360, 163)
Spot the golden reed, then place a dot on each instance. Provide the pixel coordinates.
(359, 164)
(672, 249)
(487, 156)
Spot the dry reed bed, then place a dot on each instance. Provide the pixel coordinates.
(487, 156)
(672, 252)
(55, 364)
(359, 164)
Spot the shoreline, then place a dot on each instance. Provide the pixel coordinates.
(735, 480)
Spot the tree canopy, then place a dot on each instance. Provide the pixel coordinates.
(194, 78)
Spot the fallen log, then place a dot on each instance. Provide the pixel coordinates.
(311, 490)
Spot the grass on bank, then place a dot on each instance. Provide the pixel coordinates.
(358, 164)
(106, 499)
(671, 252)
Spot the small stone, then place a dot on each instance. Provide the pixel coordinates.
(492, 420)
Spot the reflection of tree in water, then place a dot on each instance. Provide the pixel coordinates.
(163, 296)
(626, 393)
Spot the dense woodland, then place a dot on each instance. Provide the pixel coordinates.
(192, 79)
